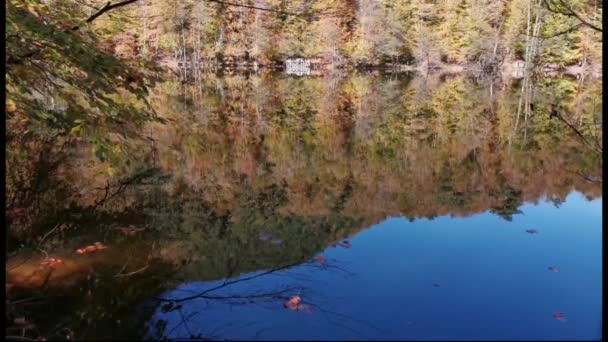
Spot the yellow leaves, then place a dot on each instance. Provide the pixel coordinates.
(11, 107)
(116, 148)
(97, 246)
(78, 128)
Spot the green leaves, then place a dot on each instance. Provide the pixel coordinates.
(96, 90)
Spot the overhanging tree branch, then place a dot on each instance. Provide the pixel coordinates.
(110, 6)
(573, 28)
(560, 7)
(254, 7)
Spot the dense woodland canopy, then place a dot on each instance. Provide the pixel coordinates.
(352, 32)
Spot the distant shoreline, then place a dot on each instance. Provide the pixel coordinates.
(507, 69)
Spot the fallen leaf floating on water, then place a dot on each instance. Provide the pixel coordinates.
(553, 269)
(97, 246)
(531, 231)
(295, 303)
(100, 245)
(321, 259)
(345, 244)
(51, 262)
(559, 316)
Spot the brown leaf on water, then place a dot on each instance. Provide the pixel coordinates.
(51, 262)
(293, 302)
(321, 259)
(559, 316)
(97, 246)
(345, 244)
(100, 245)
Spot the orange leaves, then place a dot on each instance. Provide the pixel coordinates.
(97, 246)
(51, 262)
(321, 259)
(295, 303)
(100, 245)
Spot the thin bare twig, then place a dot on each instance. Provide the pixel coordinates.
(134, 272)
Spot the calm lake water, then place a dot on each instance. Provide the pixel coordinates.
(380, 207)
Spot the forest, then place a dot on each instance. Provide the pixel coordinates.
(340, 33)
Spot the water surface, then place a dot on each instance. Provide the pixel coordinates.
(433, 182)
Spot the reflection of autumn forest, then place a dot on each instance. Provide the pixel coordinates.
(369, 147)
(362, 147)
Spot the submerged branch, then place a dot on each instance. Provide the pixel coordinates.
(224, 284)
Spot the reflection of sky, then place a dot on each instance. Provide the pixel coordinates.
(492, 276)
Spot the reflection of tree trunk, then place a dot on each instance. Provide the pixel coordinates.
(527, 56)
(144, 45)
(535, 33)
(532, 38)
(518, 109)
(497, 39)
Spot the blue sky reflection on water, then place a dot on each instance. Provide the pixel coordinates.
(477, 277)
